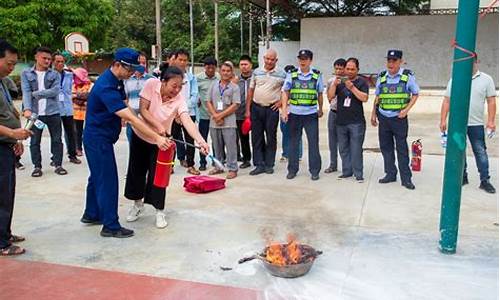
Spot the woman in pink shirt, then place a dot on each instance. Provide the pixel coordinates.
(161, 104)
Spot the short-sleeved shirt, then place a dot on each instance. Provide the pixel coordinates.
(333, 103)
(411, 87)
(267, 85)
(133, 86)
(243, 83)
(9, 117)
(221, 99)
(349, 107)
(482, 86)
(287, 86)
(163, 112)
(204, 86)
(105, 99)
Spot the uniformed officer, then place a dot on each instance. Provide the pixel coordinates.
(10, 133)
(303, 95)
(396, 93)
(105, 109)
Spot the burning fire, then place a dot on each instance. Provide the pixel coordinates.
(284, 254)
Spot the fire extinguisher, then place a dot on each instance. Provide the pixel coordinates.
(164, 165)
(416, 155)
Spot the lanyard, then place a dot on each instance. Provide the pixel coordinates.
(222, 90)
(6, 93)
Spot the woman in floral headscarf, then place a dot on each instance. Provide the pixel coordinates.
(81, 89)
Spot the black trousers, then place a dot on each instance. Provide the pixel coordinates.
(264, 130)
(7, 192)
(183, 151)
(394, 131)
(141, 174)
(53, 122)
(309, 123)
(79, 134)
(69, 135)
(243, 143)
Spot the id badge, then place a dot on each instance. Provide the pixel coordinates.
(347, 102)
(220, 105)
(61, 97)
(39, 124)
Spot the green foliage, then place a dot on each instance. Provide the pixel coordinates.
(28, 24)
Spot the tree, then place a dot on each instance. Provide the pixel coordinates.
(28, 24)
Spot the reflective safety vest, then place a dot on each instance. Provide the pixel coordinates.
(394, 96)
(303, 92)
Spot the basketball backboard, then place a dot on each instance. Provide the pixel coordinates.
(76, 42)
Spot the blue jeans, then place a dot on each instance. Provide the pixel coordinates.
(53, 123)
(351, 138)
(332, 138)
(285, 140)
(476, 139)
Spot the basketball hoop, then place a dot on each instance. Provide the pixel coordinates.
(76, 44)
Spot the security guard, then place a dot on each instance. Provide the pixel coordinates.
(396, 93)
(105, 109)
(303, 96)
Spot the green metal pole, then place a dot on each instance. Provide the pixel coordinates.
(459, 112)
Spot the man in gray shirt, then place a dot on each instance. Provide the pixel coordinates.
(222, 105)
(244, 83)
(482, 90)
(10, 133)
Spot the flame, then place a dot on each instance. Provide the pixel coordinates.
(284, 254)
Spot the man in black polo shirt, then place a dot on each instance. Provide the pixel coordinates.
(351, 92)
(10, 133)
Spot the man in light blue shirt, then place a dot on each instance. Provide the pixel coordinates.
(133, 87)
(396, 93)
(66, 106)
(303, 95)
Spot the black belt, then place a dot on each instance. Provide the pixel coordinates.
(265, 106)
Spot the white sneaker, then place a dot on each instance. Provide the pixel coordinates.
(161, 220)
(134, 213)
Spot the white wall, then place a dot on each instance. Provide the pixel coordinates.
(287, 52)
(453, 4)
(425, 41)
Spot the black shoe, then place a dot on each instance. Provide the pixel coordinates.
(120, 233)
(75, 160)
(203, 168)
(343, 176)
(52, 164)
(314, 177)
(330, 170)
(257, 171)
(245, 165)
(387, 179)
(291, 175)
(19, 166)
(409, 185)
(269, 170)
(360, 179)
(90, 221)
(465, 180)
(486, 185)
(240, 159)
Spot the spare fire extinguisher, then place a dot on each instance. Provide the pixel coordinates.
(416, 155)
(164, 165)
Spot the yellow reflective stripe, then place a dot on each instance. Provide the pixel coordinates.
(393, 106)
(165, 163)
(404, 78)
(303, 91)
(394, 96)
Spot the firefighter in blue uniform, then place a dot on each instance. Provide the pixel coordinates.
(396, 93)
(105, 109)
(302, 106)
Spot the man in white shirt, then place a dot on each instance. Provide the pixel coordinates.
(482, 90)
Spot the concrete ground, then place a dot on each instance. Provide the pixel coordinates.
(379, 241)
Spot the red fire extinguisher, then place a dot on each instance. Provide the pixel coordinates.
(416, 155)
(164, 165)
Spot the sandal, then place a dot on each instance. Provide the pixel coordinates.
(16, 239)
(193, 171)
(215, 171)
(330, 170)
(60, 171)
(37, 172)
(11, 250)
